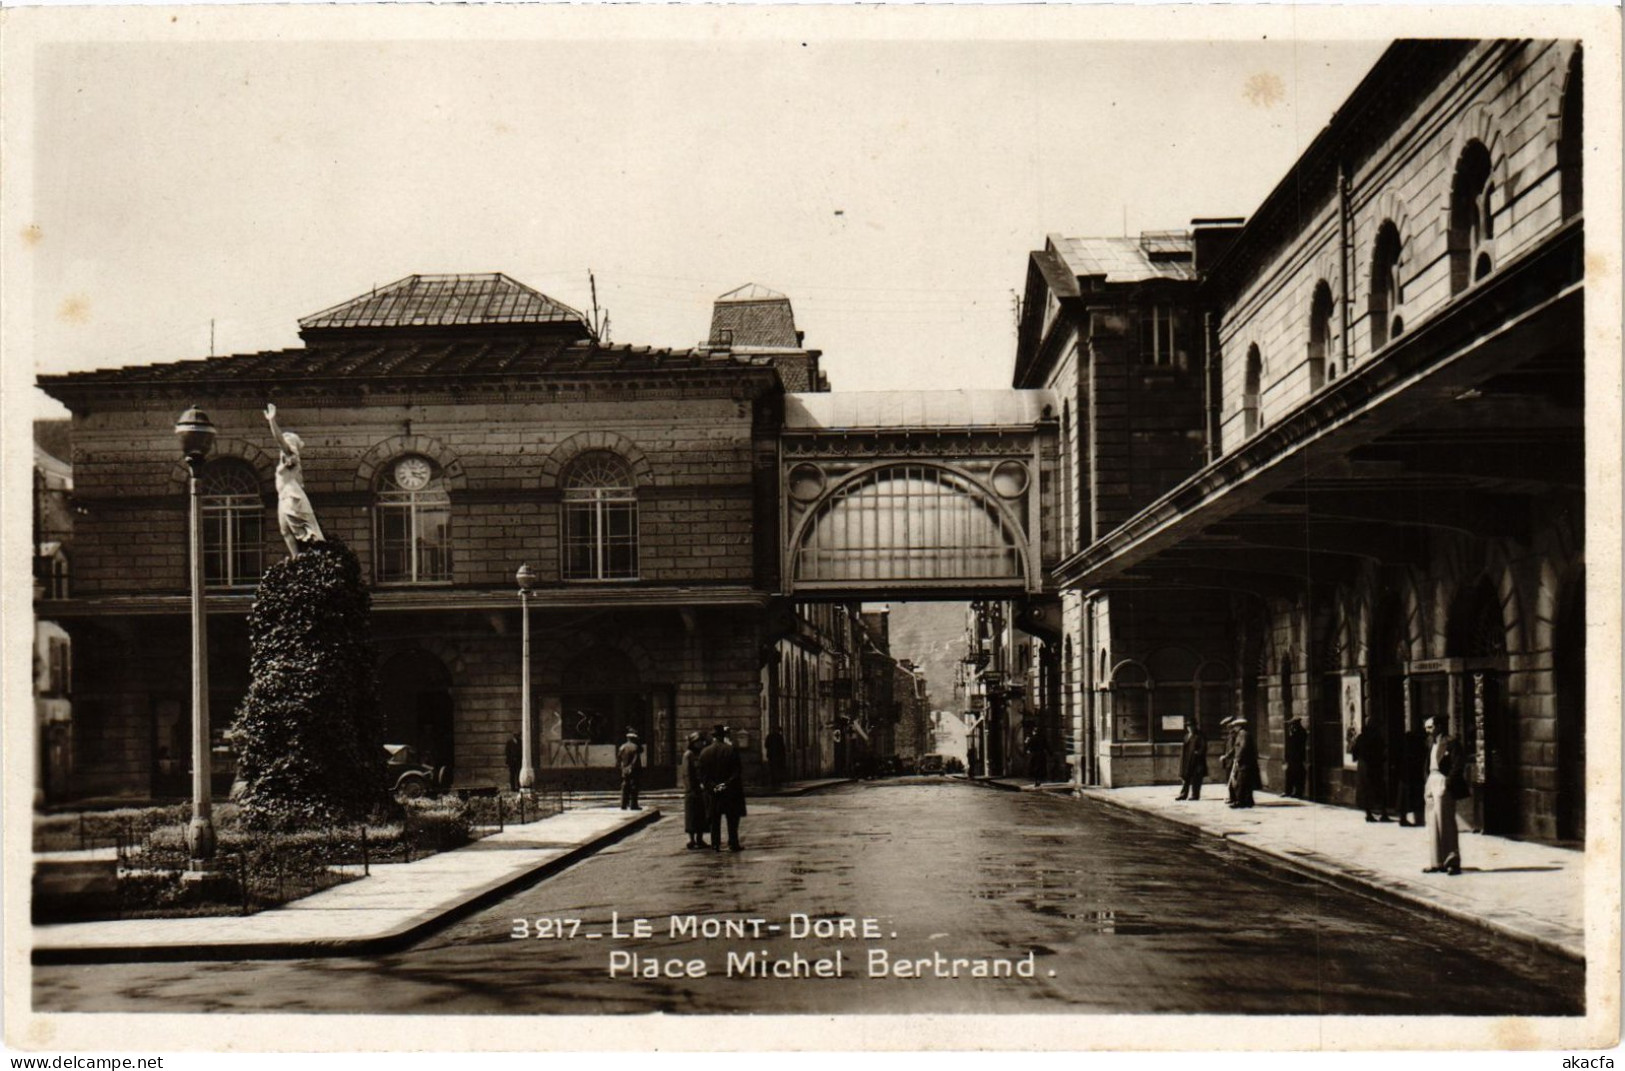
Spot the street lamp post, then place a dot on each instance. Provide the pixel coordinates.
(196, 434)
(526, 579)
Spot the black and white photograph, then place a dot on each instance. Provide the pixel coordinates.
(811, 528)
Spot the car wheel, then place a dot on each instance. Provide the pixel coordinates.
(412, 788)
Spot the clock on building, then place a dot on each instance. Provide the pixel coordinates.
(413, 473)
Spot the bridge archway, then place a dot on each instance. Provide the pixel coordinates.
(912, 522)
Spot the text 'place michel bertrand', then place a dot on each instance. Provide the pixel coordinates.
(741, 961)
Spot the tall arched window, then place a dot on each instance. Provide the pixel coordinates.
(1251, 408)
(1472, 217)
(1571, 139)
(412, 517)
(233, 525)
(600, 518)
(1387, 293)
(1321, 364)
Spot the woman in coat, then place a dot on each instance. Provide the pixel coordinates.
(693, 793)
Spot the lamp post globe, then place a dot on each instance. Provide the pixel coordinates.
(196, 433)
(525, 578)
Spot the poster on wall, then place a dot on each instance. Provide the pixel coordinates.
(1352, 703)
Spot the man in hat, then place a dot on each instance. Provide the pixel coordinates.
(1192, 762)
(629, 757)
(722, 774)
(1244, 766)
(1228, 759)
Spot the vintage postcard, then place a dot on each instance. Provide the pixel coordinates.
(802, 528)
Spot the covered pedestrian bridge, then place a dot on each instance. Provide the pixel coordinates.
(929, 494)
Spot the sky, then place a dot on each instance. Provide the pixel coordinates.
(891, 188)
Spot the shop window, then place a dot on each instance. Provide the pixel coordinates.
(1131, 703)
(233, 525)
(600, 519)
(412, 514)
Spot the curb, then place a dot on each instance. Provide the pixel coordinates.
(387, 941)
(1336, 877)
(805, 790)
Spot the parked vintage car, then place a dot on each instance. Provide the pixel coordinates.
(931, 764)
(409, 777)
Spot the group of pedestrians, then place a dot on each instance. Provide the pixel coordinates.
(713, 784)
(1240, 762)
(1432, 777)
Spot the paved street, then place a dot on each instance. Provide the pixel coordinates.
(1118, 913)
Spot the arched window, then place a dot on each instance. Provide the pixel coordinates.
(233, 525)
(1251, 408)
(412, 517)
(1387, 293)
(600, 518)
(1472, 217)
(1571, 139)
(1321, 365)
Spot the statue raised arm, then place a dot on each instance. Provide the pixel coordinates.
(294, 514)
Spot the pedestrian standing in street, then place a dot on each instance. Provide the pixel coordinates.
(510, 754)
(1446, 783)
(1244, 777)
(1297, 759)
(1413, 772)
(693, 786)
(775, 757)
(629, 757)
(1037, 749)
(1227, 761)
(723, 777)
(1368, 764)
(1192, 762)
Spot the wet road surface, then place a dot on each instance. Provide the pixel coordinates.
(1118, 914)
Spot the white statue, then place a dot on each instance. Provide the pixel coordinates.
(295, 516)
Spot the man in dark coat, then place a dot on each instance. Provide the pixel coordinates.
(1037, 756)
(694, 816)
(629, 757)
(1192, 762)
(1297, 759)
(775, 757)
(1413, 757)
(723, 776)
(1369, 755)
(510, 754)
(1244, 766)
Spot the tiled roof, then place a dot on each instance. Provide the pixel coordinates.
(754, 316)
(376, 359)
(1126, 260)
(444, 301)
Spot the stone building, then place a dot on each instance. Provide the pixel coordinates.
(454, 427)
(1389, 522)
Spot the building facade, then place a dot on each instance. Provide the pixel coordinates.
(1390, 521)
(454, 427)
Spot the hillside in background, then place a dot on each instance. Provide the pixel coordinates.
(932, 635)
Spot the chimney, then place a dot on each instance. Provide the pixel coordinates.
(1213, 238)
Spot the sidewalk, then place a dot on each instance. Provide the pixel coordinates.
(1531, 892)
(394, 906)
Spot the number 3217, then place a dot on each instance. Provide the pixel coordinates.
(543, 929)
